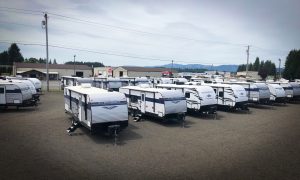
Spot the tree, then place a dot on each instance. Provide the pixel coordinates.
(50, 62)
(42, 61)
(256, 64)
(4, 58)
(54, 61)
(31, 60)
(292, 65)
(250, 67)
(15, 54)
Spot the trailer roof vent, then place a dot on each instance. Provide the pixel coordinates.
(86, 85)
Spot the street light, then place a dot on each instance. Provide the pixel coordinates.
(279, 69)
(74, 65)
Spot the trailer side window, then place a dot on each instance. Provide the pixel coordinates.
(221, 94)
(1, 90)
(133, 99)
(187, 95)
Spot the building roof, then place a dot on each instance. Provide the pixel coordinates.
(146, 69)
(51, 66)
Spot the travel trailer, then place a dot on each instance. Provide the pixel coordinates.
(230, 96)
(264, 92)
(32, 88)
(199, 98)
(15, 94)
(169, 81)
(287, 88)
(109, 83)
(95, 108)
(160, 103)
(296, 89)
(277, 93)
(67, 81)
(251, 89)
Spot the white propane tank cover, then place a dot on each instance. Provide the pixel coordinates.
(86, 85)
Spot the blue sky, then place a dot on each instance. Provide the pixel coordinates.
(204, 32)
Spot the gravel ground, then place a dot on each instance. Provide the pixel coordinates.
(261, 145)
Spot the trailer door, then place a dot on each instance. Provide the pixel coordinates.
(143, 102)
(2, 95)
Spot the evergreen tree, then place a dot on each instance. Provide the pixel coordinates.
(54, 61)
(292, 65)
(4, 58)
(256, 64)
(15, 54)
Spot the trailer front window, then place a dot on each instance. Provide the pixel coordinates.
(1, 90)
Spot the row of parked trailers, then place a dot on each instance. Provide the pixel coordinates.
(19, 92)
(95, 107)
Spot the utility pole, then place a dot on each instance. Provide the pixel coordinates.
(74, 65)
(172, 67)
(247, 51)
(45, 25)
(279, 69)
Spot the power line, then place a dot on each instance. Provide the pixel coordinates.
(104, 53)
(78, 20)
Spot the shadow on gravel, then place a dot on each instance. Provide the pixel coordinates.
(167, 123)
(202, 116)
(280, 105)
(262, 106)
(20, 110)
(101, 138)
(294, 102)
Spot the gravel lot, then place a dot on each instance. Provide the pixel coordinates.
(261, 145)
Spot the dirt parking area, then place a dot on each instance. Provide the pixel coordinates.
(263, 144)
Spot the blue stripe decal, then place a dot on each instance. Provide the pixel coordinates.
(251, 89)
(160, 100)
(13, 91)
(288, 88)
(111, 103)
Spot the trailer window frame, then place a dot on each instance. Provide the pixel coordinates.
(2, 90)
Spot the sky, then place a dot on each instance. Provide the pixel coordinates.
(148, 33)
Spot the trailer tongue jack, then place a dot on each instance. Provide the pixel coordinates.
(73, 127)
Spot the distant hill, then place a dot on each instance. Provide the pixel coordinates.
(229, 68)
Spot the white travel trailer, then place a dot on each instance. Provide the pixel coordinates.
(264, 92)
(36, 82)
(67, 81)
(251, 89)
(296, 89)
(134, 81)
(32, 88)
(277, 93)
(231, 96)
(170, 81)
(15, 94)
(199, 98)
(160, 103)
(96, 109)
(109, 83)
(287, 88)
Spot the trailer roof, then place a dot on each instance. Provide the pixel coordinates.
(199, 88)
(97, 94)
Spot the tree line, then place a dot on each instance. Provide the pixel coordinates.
(13, 54)
(264, 68)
